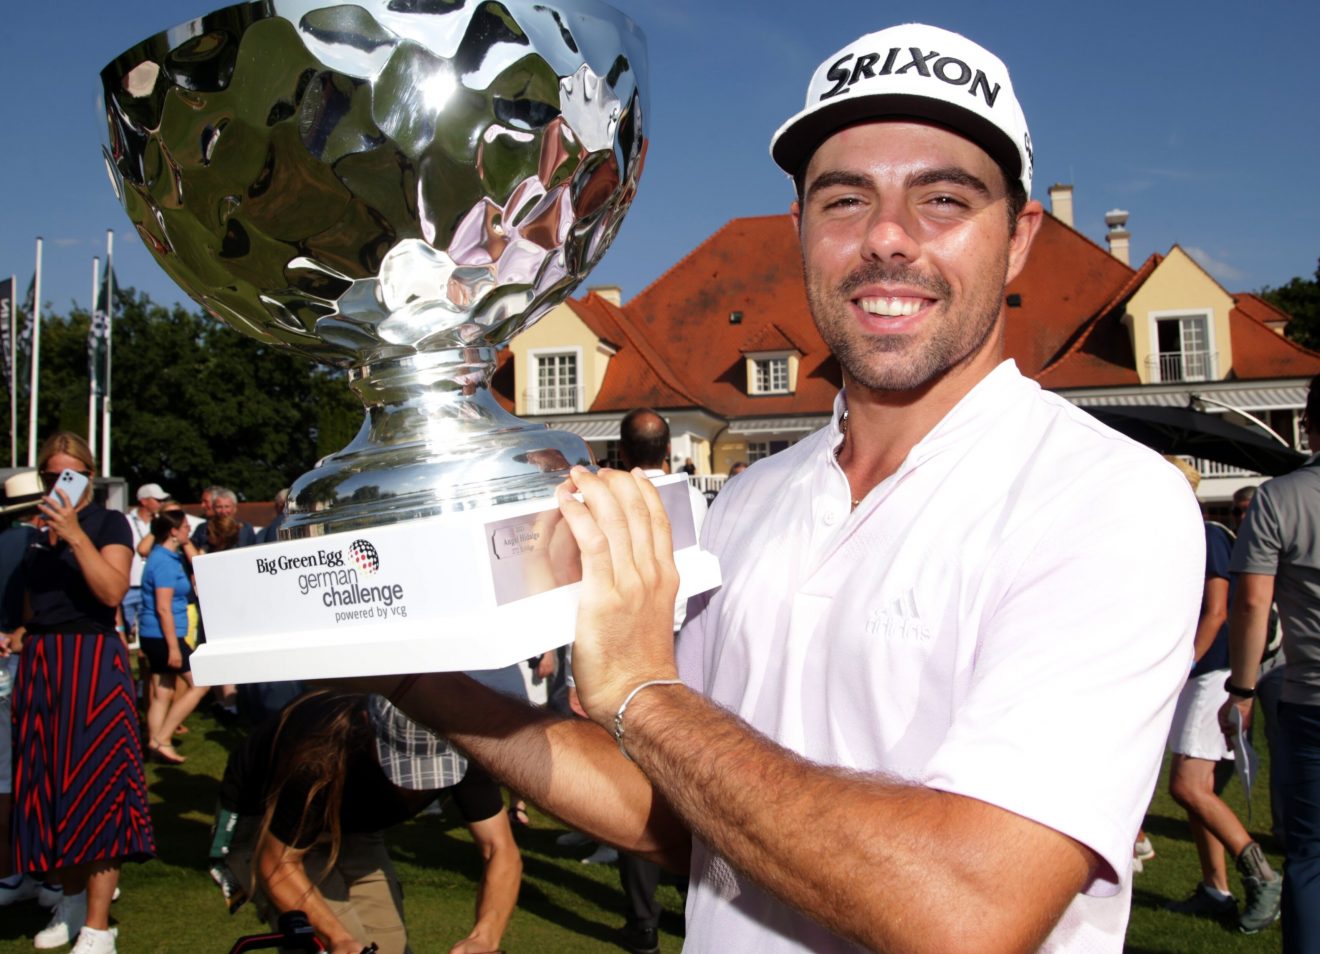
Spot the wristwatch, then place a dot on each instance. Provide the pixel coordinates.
(1240, 691)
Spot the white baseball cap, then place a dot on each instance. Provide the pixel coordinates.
(152, 492)
(916, 71)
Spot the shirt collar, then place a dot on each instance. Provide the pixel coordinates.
(957, 427)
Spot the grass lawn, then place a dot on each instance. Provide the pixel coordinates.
(171, 905)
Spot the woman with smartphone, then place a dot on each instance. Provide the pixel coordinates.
(80, 794)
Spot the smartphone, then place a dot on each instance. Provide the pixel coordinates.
(72, 483)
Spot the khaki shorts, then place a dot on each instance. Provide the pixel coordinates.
(361, 889)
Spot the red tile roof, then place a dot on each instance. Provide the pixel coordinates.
(1259, 352)
(750, 266)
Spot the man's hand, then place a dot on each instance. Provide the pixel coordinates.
(626, 614)
(1226, 725)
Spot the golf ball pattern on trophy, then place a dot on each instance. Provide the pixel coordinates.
(364, 556)
(373, 180)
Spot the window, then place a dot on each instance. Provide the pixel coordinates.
(1183, 349)
(610, 458)
(771, 376)
(757, 450)
(556, 383)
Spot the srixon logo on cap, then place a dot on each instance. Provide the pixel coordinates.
(948, 69)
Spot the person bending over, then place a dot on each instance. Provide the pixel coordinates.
(314, 790)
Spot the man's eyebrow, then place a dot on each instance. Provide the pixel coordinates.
(838, 177)
(953, 175)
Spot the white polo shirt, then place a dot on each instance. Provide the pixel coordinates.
(1009, 617)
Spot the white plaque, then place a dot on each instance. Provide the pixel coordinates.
(478, 589)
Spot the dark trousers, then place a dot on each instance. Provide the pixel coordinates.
(640, 879)
(1300, 728)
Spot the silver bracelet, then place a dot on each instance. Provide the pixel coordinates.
(618, 716)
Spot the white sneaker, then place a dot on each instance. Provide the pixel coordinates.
(1143, 850)
(603, 855)
(69, 916)
(92, 941)
(25, 890)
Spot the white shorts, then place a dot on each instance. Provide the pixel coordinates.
(1195, 732)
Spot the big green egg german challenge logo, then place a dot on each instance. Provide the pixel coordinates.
(334, 577)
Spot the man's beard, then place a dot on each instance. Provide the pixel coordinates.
(951, 341)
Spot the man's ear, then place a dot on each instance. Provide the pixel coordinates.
(795, 213)
(1028, 224)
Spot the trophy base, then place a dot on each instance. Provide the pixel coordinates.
(470, 590)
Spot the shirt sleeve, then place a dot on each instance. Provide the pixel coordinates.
(477, 796)
(1218, 552)
(1260, 540)
(1079, 664)
(114, 529)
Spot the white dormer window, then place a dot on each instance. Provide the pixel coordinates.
(771, 376)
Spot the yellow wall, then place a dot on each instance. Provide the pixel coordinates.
(728, 451)
(1178, 284)
(560, 330)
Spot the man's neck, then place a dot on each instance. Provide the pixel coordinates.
(884, 426)
(143, 513)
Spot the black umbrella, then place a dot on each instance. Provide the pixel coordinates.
(1181, 430)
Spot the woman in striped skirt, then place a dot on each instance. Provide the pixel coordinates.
(80, 795)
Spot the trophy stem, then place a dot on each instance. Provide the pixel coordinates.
(435, 440)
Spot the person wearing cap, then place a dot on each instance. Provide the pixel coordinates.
(149, 499)
(314, 789)
(927, 707)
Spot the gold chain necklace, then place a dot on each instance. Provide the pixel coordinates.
(843, 428)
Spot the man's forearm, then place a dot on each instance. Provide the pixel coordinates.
(497, 895)
(936, 874)
(286, 884)
(571, 768)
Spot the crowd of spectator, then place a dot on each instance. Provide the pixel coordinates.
(322, 774)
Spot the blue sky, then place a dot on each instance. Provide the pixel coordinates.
(1200, 119)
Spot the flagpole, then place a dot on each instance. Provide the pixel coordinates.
(109, 327)
(13, 370)
(36, 362)
(92, 335)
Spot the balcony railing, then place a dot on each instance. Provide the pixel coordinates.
(1182, 366)
(557, 399)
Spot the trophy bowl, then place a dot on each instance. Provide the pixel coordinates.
(395, 187)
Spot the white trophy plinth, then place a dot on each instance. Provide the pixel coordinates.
(478, 589)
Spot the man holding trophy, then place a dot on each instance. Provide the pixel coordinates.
(926, 709)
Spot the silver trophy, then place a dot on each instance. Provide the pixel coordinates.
(397, 187)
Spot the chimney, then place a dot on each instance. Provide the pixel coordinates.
(1061, 206)
(611, 293)
(1118, 237)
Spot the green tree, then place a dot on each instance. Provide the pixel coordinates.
(1301, 299)
(194, 403)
